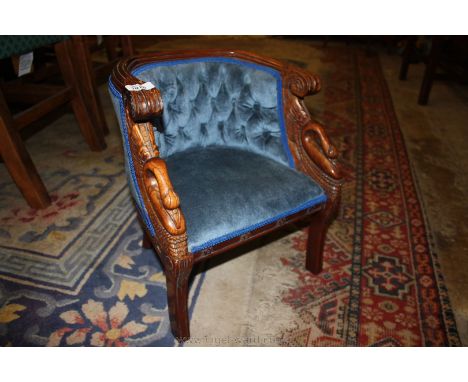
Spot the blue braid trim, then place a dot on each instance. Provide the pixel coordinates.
(311, 203)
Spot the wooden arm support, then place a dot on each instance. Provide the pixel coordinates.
(301, 83)
(162, 196)
(144, 105)
(311, 135)
(325, 156)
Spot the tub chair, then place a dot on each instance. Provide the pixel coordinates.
(220, 149)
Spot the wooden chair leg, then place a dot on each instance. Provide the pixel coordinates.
(431, 68)
(407, 53)
(127, 46)
(84, 68)
(19, 163)
(317, 234)
(177, 297)
(92, 134)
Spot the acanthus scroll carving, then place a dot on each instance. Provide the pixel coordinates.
(300, 82)
(144, 105)
(142, 135)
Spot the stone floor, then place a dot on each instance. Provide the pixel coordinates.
(436, 140)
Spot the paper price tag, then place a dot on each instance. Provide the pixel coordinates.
(140, 87)
(25, 64)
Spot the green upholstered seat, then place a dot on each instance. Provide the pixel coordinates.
(15, 45)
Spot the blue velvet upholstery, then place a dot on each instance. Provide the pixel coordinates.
(219, 101)
(223, 137)
(226, 192)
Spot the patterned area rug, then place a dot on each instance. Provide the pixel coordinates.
(75, 274)
(382, 284)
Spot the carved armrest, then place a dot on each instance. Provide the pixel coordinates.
(325, 156)
(162, 196)
(310, 134)
(300, 82)
(143, 103)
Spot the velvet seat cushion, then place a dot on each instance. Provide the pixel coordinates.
(226, 192)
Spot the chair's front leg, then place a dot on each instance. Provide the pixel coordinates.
(177, 295)
(178, 263)
(320, 150)
(169, 238)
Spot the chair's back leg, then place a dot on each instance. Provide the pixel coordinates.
(18, 162)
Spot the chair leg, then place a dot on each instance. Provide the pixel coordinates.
(127, 46)
(407, 53)
(19, 163)
(431, 68)
(93, 134)
(177, 297)
(317, 233)
(110, 44)
(84, 67)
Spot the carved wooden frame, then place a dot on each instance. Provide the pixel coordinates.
(311, 149)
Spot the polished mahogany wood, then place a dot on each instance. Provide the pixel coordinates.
(310, 146)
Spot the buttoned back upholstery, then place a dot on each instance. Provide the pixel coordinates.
(218, 101)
